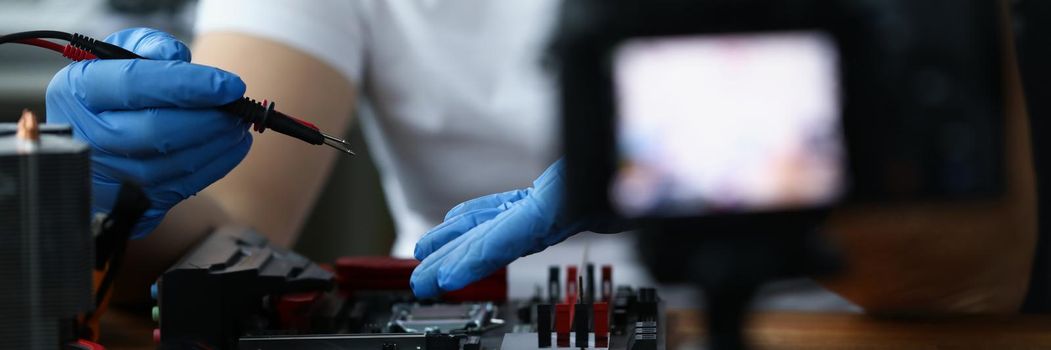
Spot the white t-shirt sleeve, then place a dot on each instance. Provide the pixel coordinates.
(332, 31)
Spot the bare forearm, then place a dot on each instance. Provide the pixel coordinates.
(275, 187)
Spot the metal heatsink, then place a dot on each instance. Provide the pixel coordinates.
(46, 246)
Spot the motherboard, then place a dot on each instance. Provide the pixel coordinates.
(235, 291)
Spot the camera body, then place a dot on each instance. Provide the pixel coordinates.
(909, 97)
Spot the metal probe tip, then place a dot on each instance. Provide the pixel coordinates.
(338, 143)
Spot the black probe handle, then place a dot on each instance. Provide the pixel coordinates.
(244, 108)
(286, 125)
(265, 117)
(101, 49)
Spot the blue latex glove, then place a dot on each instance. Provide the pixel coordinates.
(484, 234)
(150, 121)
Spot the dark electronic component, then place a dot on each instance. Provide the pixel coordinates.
(405, 341)
(589, 283)
(543, 325)
(644, 336)
(441, 318)
(473, 343)
(647, 304)
(643, 342)
(441, 342)
(231, 272)
(646, 327)
(581, 324)
(554, 287)
(571, 285)
(580, 292)
(622, 303)
(640, 333)
(46, 244)
(607, 283)
(525, 313)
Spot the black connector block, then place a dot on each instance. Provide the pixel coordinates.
(263, 116)
(217, 292)
(543, 325)
(582, 323)
(554, 286)
(101, 49)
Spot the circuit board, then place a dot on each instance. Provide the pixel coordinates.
(235, 291)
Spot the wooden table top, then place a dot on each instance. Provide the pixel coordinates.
(808, 330)
(772, 330)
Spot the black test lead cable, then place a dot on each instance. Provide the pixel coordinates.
(261, 115)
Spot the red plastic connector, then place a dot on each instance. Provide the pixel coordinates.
(293, 309)
(387, 273)
(563, 323)
(571, 284)
(76, 54)
(600, 324)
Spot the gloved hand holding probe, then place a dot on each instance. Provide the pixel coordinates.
(482, 235)
(151, 121)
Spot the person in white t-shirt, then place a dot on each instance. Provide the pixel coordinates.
(451, 94)
(454, 105)
(454, 102)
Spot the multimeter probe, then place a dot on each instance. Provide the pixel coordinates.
(261, 115)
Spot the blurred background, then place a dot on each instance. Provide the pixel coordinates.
(25, 71)
(353, 194)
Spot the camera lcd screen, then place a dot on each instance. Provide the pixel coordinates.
(727, 123)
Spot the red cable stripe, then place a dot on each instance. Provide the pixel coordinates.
(77, 54)
(305, 123)
(69, 51)
(42, 43)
